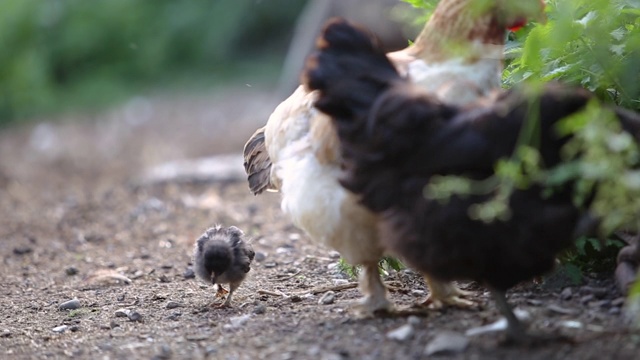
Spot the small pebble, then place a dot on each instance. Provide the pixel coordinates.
(260, 256)
(414, 320)
(60, 329)
(447, 343)
(327, 298)
(134, 316)
(172, 305)
(598, 292)
(417, 292)
(314, 351)
(5, 333)
(120, 297)
(587, 298)
(283, 250)
(566, 294)
(70, 305)
(237, 321)
(553, 308)
(270, 264)
(295, 298)
(22, 250)
(189, 273)
(122, 312)
(535, 302)
(105, 327)
(600, 304)
(294, 236)
(614, 311)
(164, 353)
(71, 271)
(403, 333)
(572, 324)
(74, 328)
(339, 281)
(618, 302)
(174, 316)
(113, 324)
(260, 309)
(334, 254)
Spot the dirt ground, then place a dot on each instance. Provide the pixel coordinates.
(76, 220)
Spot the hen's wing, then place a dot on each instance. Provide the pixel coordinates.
(257, 163)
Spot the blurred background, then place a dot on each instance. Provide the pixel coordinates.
(65, 56)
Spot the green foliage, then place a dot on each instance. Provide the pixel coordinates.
(426, 6)
(591, 43)
(386, 263)
(73, 52)
(593, 255)
(80, 312)
(632, 306)
(596, 45)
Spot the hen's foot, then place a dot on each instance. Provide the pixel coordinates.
(445, 294)
(370, 306)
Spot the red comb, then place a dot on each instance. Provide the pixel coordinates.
(518, 24)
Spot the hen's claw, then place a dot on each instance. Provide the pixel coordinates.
(444, 294)
(371, 306)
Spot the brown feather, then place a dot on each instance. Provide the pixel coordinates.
(325, 140)
(257, 164)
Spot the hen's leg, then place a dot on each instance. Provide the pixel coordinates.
(375, 294)
(515, 330)
(446, 293)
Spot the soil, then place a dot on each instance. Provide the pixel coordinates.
(77, 222)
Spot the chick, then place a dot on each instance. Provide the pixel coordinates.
(222, 256)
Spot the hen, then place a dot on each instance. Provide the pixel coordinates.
(222, 256)
(396, 138)
(298, 153)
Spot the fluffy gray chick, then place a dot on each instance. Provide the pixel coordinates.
(222, 256)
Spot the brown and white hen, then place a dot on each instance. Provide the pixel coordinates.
(458, 55)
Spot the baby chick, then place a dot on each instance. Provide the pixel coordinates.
(222, 256)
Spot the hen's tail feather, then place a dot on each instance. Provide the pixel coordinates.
(378, 115)
(257, 163)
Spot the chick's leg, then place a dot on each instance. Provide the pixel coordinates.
(232, 288)
(221, 292)
(375, 294)
(444, 293)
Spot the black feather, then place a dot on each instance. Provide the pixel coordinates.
(395, 138)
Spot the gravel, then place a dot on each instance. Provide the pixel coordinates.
(70, 305)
